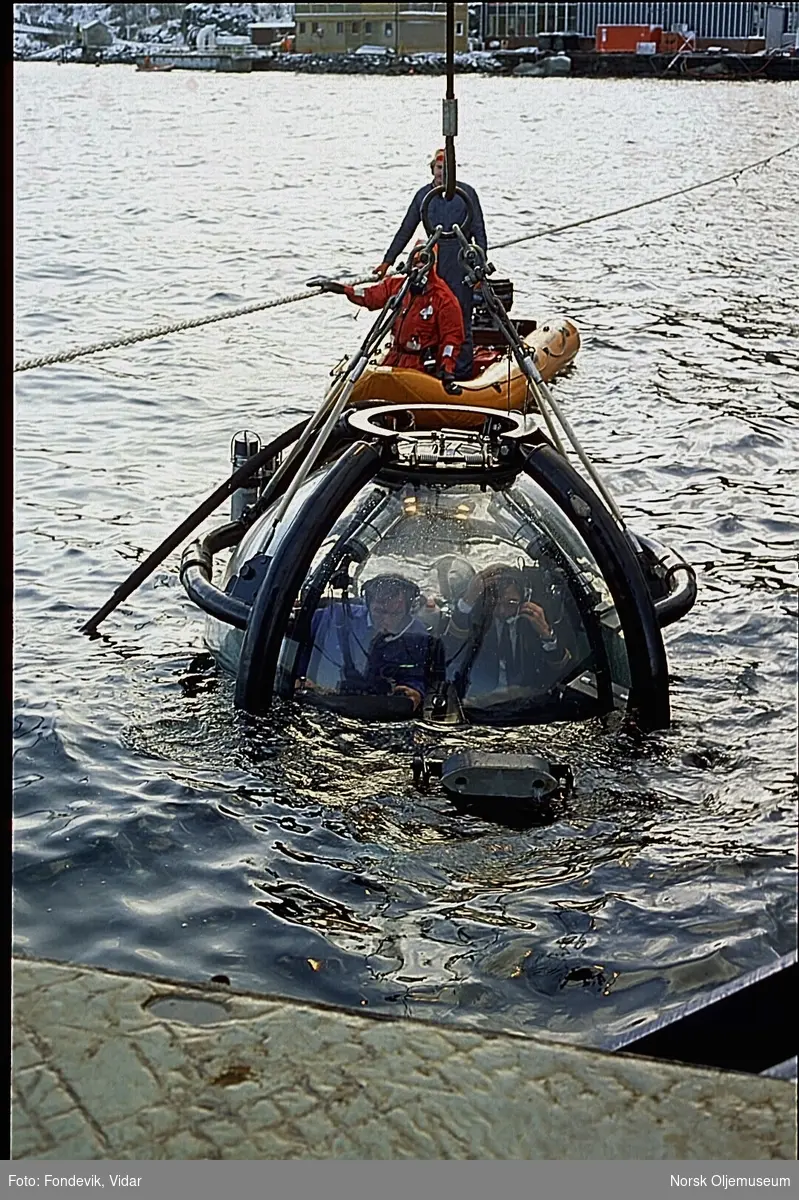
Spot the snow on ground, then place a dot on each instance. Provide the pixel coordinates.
(113, 14)
(52, 15)
(229, 19)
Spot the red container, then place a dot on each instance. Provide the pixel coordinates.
(621, 39)
(672, 43)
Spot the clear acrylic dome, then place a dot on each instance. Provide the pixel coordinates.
(457, 601)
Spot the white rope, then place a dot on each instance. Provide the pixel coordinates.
(643, 203)
(48, 360)
(63, 356)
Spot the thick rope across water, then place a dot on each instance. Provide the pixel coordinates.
(144, 335)
(616, 212)
(131, 339)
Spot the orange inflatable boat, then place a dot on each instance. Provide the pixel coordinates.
(498, 381)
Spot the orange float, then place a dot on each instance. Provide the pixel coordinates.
(498, 383)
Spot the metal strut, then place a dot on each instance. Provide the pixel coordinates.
(476, 270)
(321, 424)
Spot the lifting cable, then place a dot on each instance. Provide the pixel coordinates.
(450, 123)
(450, 113)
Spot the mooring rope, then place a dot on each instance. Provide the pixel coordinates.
(64, 356)
(144, 335)
(616, 212)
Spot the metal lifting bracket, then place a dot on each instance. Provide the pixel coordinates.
(449, 119)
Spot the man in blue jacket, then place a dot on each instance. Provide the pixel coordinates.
(373, 646)
(445, 213)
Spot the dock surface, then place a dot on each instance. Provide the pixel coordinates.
(114, 1066)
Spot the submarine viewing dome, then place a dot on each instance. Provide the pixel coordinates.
(446, 574)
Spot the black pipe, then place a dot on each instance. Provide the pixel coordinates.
(649, 677)
(287, 570)
(197, 573)
(679, 597)
(211, 600)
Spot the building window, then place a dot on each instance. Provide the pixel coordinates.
(339, 26)
(302, 27)
(459, 28)
(389, 29)
(367, 26)
(354, 26)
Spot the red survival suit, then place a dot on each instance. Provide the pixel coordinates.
(431, 319)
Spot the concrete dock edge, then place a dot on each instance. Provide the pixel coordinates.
(114, 1066)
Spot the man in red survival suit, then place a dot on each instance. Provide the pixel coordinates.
(428, 325)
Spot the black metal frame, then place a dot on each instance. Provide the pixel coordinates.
(649, 676)
(270, 612)
(266, 620)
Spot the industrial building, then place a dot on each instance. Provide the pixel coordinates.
(517, 24)
(410, 28)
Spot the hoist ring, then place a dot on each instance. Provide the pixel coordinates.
(466, 224)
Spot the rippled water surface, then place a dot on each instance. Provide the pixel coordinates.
(155, 830)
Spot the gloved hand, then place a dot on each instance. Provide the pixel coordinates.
(448, 382)
(380, 269)
(330, 285)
